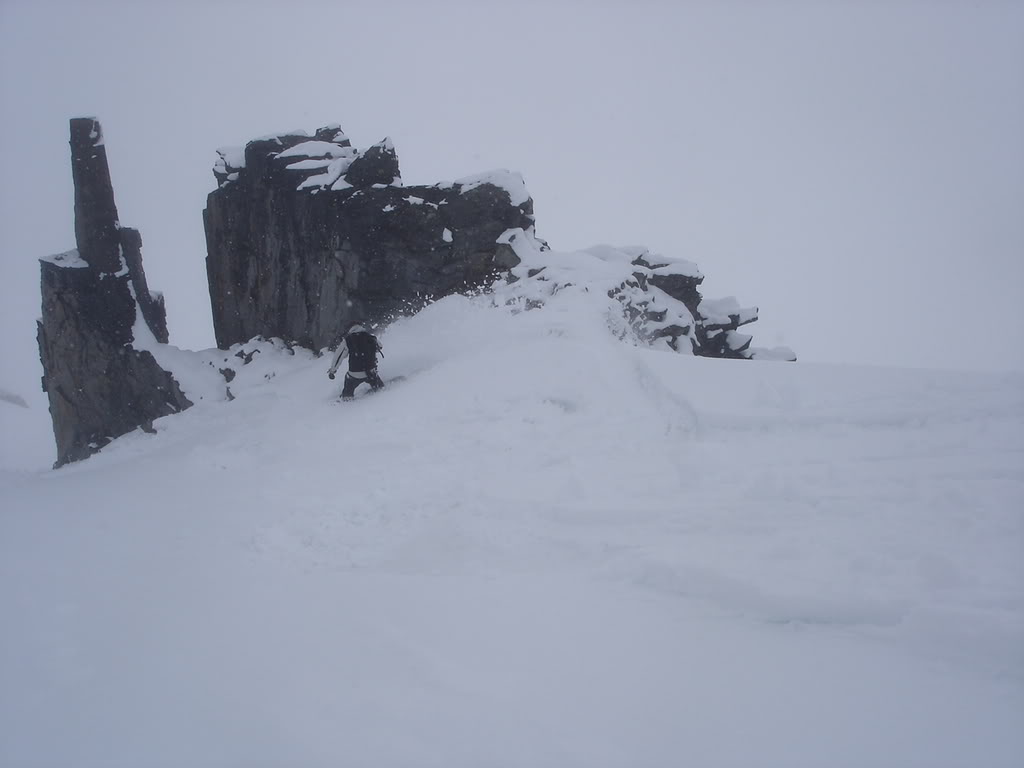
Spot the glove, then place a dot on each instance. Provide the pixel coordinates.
(330, 375)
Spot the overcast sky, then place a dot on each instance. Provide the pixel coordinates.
(854, 169)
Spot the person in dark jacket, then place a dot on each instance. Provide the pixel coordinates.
(361, 348)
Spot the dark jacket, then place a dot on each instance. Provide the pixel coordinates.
(361, 348)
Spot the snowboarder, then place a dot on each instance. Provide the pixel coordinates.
(361, 347)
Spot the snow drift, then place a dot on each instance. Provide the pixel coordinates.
(547, 546)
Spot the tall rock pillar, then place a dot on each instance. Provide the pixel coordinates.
(98, 319)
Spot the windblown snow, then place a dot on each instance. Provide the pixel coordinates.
(544, 547)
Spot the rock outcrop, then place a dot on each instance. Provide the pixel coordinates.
(97, 315)
(707, 328)
(657, 296)
(305, 234)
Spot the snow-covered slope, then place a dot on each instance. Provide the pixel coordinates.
(545, 547)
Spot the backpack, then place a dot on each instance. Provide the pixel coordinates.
(362, 351)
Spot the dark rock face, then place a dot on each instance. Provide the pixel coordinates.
(96, 224)
(377, 165)
(306, 234)
(100, 386)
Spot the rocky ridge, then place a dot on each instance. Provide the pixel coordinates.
(306, 234)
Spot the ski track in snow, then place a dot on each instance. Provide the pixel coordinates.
(545, 547)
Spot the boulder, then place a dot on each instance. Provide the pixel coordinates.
(377, 165)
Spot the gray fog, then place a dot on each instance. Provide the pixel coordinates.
(856, 170)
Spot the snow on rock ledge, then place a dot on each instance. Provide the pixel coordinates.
(69, 260)
(652, 299)
(327, 160)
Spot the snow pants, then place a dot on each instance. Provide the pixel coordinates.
(351, 382)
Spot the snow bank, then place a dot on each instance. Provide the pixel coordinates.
(540, 525)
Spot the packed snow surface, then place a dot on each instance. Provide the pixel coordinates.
(544, 547)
